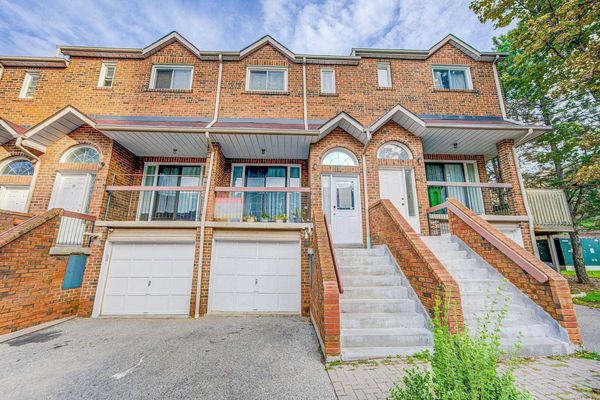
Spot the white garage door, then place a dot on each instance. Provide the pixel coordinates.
(149, 279)
(255, 276)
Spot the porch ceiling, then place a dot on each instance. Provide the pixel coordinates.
(256, 145)
(157, 143)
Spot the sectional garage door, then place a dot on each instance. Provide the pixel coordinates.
(149, 279)
(255, 276)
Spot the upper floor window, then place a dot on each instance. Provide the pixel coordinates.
(171, 77)
(327, 81)
(339, 157)
(19, 166)
(265, 79)
(456, 78)
(393, 151)
(82, 155)
(29, 85)
(107, 74)
(384, 75)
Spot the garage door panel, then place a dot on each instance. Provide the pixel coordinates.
(233, 266)
(287, 301)
(283, 250)
(277, 267)
(240, 250)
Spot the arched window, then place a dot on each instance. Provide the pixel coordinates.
(19, 166)
(81, 155)
(339, 157)
(394, 151)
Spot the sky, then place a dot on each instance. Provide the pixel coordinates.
(35, 28)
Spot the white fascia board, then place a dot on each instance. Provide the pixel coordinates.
(335, 122)
(6, 127)
(267, 39)
(69, 110)
(375, 126)
(34, 145)
(170, 36)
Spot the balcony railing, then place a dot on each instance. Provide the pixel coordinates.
(155, 203)
(262, 204)
(549, 209)
(75, 229)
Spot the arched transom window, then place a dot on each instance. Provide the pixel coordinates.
(394, 151)
(339, 157)
(81, 155)
(19, 166)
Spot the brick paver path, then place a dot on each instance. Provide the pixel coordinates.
(545, 378)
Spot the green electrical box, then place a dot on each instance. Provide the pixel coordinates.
(591, 251)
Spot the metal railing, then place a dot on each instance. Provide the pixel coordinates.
(262, 204)
(336, 269)
(481, 198)
(75, 229)
(549, 209)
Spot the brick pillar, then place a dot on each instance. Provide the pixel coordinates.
(92, 273)
(509, 174)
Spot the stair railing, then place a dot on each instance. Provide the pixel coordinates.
(333, 255)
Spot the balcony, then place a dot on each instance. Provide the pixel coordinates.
(74, 233)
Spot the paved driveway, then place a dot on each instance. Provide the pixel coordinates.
(211, 358)
(589, 324)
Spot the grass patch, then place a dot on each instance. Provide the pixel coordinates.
(591, 299)
(591, 274)
(588, 355)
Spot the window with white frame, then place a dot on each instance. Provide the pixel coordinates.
(263, 79)
(29, 85)
(17, 166)
(107, 74)
(394, 151)
(327, 80)
(174, 77)
(339, 157)
(81, 155)
(384, 75)
(452, 77)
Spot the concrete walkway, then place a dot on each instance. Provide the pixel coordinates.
(589, 323)
(210, 358)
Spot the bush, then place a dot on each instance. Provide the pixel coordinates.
(463, 366)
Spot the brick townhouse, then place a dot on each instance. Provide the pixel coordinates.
(174, 181)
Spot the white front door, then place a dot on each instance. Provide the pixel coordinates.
(149, 279)
(341, 204)
(255, 276)
(14, 198)
(71, 191)
(398, 186)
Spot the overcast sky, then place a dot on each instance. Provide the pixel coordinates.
(34, 27)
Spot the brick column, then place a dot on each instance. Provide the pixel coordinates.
(509, 174)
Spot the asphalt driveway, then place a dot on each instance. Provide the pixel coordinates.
(589, 324)
(255, 357)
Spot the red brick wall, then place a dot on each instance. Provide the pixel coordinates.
(554, 296)
(30, 279)
(426, 274)
(9, 219)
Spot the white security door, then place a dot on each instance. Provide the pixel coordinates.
(149, 279)
(397, 185)
(341, 202)
(255, 276)
(71, 192)
(14, 198)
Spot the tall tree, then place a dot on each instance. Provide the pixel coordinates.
(552, 75)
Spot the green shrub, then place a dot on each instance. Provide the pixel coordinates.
(463, 366)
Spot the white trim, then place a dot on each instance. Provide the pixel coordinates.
(343, 150)
(388, 69)
(452, 67)
(338, 120)
(155, 67)
(391, 114)
(27, 82)
(9, 160)
(251, 68)
(164, 39)
(62, 113)
(8, 128)
(267, 40)
(103, 71)
(77, 147)
(333, 86)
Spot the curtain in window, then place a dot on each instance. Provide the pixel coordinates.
(474, 193)
(455, 173)
(265, 203)
(458, 80)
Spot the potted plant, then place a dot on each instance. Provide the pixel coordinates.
(281, 218)
(264, 217)
(249, 218)
(297, 217)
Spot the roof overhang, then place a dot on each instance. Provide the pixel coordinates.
(8, 131)
(33, 62)
(57, 126)
(348, 124)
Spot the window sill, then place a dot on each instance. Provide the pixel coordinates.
(267, 92)
(25, 98)
(385, 88)
(104, 87)
(170, 90)
(454, 90)
(329, 94)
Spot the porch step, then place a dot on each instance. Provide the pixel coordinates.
(370, 280)
(375, 292)
(381, 320)
(485, 292)
(376, 305)
(390, 337)
(365, 353)
(369, 269)
(363, 259)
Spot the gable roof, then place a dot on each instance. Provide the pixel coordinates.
(9, 130)
(264, 41)
(347, 123)
(168, 39)
(56, 126)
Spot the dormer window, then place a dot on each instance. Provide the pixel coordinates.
(107, 74)
(452, 77)
(29, 85)
(174, 77)
(267, 79)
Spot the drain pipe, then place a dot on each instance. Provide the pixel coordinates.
(498, 87)
(365, 188)
(38, 163)
(304, 93)
(207, 187)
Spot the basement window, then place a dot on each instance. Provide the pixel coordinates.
(174, 77)
(452, 78)
(107, 74)
(260, 79)
(29, 85)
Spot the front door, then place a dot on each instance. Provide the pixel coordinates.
(14, 198)
(342, 205)
(398, 186)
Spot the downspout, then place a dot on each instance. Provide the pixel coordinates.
(207, 187)
(38, 163)
(304, 93)
(498, 87)
(526, 201)
(365, 189)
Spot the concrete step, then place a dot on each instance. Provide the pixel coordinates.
(526, 327)
(485, 285)
(537, 346)
(381, 320)
(451, 255)
(365, 353)
(384, 337)
(462, 264)
(367, 269)
(470, 273)
(377, 306)
(370, 280)
(350, 252)
(364, 260)
(375, 292)
(442, 246)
